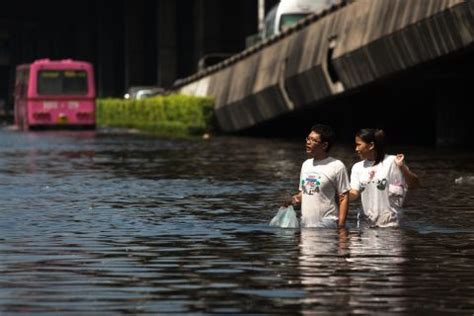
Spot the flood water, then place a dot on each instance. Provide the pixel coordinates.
(107, 223)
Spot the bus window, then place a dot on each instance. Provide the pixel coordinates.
(60, 82)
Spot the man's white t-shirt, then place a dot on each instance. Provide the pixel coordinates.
(321, 183)
(382, 188)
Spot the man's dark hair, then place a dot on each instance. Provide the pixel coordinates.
(326, 133)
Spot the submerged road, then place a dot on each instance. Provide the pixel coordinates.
(106, 223)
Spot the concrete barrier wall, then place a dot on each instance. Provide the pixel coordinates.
(253, 94)
(385, 37)
(328, 54)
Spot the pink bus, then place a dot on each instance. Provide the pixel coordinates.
(55, 93)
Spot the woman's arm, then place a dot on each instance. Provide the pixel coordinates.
(353, 195)
(411, 178)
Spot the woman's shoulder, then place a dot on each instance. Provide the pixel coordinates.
(359, 165)
(389, 159)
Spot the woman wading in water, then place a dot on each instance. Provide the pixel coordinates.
(380, 180)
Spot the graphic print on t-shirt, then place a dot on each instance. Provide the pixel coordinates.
(311, 184)
(382, 184)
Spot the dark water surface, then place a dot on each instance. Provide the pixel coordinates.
(102, 223)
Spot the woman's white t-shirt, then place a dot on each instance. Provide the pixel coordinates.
(382, 188)
(321, 182)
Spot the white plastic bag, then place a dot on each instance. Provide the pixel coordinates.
(286, 218)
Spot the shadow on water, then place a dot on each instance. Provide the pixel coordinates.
(99, 222)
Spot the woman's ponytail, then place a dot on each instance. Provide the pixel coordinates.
(379, 141)
(377, 137)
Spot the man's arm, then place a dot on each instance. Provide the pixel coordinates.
(343, 208)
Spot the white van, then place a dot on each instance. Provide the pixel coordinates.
(288, 12)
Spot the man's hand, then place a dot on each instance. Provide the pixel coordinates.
(292, 200)
(288, 201)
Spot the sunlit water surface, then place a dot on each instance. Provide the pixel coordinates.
(108, 223)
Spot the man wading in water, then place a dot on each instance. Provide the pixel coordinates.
(324, 183)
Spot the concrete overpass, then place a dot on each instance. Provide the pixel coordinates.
(392, 63)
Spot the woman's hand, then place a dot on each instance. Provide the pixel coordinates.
(400, 160)
(411, 178)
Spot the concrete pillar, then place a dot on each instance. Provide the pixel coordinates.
(85, 41)
(133, 42)
(208, 28)
(454, 112)
(140, 42)
(110, 48)
(166, 26)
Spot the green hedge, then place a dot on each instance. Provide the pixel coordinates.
(172, 115)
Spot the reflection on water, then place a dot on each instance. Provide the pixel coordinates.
(323, 270)
(107, 223)
(377, 270)
(344, 272)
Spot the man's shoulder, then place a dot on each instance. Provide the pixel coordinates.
(336, 162)
(336, 165)
(308, 162)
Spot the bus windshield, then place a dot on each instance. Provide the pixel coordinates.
(288, 20)
(62, 82)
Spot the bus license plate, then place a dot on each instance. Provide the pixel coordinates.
(62, 120)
